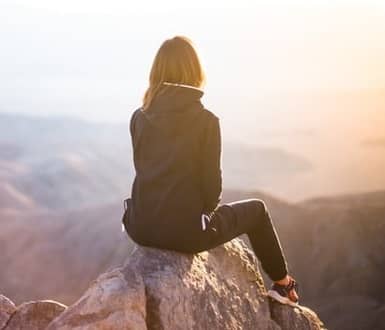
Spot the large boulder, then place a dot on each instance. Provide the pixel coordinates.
(7, 308)
(115, 300)
(159, 289)
(32, 315)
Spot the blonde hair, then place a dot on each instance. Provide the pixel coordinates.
(175, 62)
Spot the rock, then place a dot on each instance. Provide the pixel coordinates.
(295, 318)
(7, 308)
(159, 289)
(115, 300)
(34, 315)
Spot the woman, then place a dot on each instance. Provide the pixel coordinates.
(176, 192)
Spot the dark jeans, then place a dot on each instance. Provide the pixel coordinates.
(251, 217)
(230, 220)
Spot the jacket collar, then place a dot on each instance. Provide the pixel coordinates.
(174, 97)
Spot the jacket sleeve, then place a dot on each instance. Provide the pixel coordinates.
(211, 172)
(134, 138)
(131, 127)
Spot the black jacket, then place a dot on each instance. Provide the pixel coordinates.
(177, 158)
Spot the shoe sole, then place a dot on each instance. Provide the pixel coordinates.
(283, 300)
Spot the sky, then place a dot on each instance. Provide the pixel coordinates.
(91, 59)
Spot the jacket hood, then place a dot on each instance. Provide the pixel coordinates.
(175, 97)
(176, 105)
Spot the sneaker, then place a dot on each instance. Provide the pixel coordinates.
(281, 292)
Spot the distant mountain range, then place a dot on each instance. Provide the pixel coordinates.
(61, 163)
(334, 246)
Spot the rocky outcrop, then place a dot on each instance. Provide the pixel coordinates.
(294, 318)
(33, 315)
(7, 308)
(159, 289)
(116, 300)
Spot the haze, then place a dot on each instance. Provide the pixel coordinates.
(91, 59)
(306, 77)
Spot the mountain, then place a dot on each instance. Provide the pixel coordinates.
(73, 247)
(338, 255)
(65, 163)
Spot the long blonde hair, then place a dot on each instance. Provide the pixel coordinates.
(175, 62)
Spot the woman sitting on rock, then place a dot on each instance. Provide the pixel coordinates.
(176, 193)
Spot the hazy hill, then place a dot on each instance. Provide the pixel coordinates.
(335, 247)
(62, 251)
